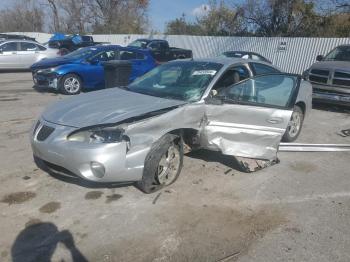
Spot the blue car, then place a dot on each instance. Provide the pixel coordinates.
(83, 68)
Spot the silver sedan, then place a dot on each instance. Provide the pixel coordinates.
(21, 54)
(139, 133)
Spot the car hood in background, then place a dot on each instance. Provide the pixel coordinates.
(337, 65)
(52, 62)
(104, 107)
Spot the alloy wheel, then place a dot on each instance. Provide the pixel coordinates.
(71, 85)
(169, 165)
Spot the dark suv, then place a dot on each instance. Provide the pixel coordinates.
(330, 76)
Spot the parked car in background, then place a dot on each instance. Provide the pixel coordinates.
(330, 76)
(245, 55)
(83, 69)
(137, 133)
(161, 50)
(21, 54)
(68, 43)
(4, 37)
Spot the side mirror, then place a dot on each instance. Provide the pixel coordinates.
(212, 99)
(319, 58)
(93, 61)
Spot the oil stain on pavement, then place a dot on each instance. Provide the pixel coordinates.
(18, 197)
(50, 207)
(92, 195)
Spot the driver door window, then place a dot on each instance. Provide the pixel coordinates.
(105, 56)
(28, 46)
(231, 77)
(267, 90)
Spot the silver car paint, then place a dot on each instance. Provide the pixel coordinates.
(256, 138)
(24, 59)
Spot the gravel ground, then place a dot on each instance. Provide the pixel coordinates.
(298, 210)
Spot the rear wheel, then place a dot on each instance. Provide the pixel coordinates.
(294, 126)
(163, 164)
(70, 84)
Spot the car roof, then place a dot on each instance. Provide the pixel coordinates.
(104, 47)
(227, 61)
(20, 40)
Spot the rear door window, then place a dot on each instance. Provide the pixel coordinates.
(41, 48)
(261, 69)
(9, 47)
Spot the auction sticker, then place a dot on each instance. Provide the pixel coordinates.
(204, 72)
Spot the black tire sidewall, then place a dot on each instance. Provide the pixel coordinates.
(286, 137)
(149, 183)
(61, 84)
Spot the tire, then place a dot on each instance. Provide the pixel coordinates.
(158, 172)
(70, 84)
(294, 126)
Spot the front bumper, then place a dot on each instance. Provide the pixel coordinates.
(80, 159)
(47, 80)
(333, 98)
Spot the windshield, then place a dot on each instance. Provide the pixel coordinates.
(183, 80)
(139, 43)
(82, 53)
(340, 53)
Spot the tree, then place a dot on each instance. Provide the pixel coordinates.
(119, 16)
(219, 20)
(22, 17)
(180, 26)
(280, 17)
(222, 20)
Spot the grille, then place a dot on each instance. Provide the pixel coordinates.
(341, 79)
(320, 72)
(319, 76)
(44, 132)
(318, 79)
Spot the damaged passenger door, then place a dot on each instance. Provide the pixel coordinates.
(248, 119)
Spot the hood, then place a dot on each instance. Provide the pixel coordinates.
(104, 107)
(336, 65)
(52, 62)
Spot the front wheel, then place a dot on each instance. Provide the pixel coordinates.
(70, 84)
(163, 164)
(294, 126)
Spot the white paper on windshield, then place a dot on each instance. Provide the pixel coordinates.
(204, 72)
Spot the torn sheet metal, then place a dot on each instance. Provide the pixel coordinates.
(249, 131)
(251, 165)
(300, 147)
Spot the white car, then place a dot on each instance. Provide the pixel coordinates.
(21, 54)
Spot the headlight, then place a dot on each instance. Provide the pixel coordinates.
(98, 135)
(46, 70)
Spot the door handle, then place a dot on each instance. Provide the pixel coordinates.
(14, 53)
(276, 120)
